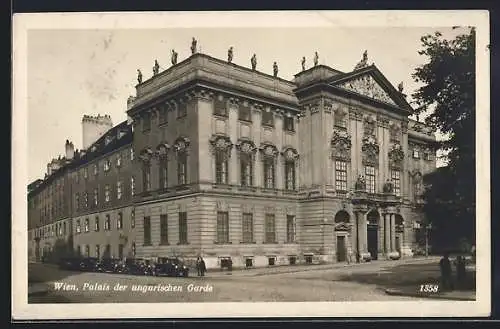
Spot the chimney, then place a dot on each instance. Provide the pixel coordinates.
(70, 150)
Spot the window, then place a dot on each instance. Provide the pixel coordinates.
(107, 223)
(107, 193)
(267, 118)
(132, 186)
(107, 251)
(183, 238)
(222, 227)
(77, 177)
(132, 218)
(163, 173)
(120, 251)
(146, 122)
(290, 175)
(96, 227)
(247, 228)
(96, 197)
(269, 173)
(416, 154)
(96, 169)
(77, 201)
(147, 231)
(98, 251)
(244, 113)
(163, 115)
(370, 179)
(246, 169)
(396, 181)
(146, 177)
(60, 229)
(289, 124)
(428, 156)
(163, 229)
(181, 168)
(221, 173)
(271, 261)
(132, 155)
(119, 160)
(86, 224)
(369, 128)
(78, 226)
(181, 110)
(340, 121)
(85, 173)
(78, 250)
(64, 228)
(270, 236)
(107, 165)
(86, 199)
(220, 107)
(119, 190)
(133, 249)
(87, 251)
(119, 221)
(340, 175)
(290, 228)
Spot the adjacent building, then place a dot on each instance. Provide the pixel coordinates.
(227, 162)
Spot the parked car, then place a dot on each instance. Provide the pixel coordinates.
(89, 264)
(70, 263)
(107, 265)
(171, 267)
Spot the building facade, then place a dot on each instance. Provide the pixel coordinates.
(231, 163)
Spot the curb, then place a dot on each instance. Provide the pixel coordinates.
(395, 292)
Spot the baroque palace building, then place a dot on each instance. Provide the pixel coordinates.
(224, 161)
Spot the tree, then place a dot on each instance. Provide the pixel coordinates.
(448, 91)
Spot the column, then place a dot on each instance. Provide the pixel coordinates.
(387, 233)
(363, 233)
(233, 134)
(354, 238)
(393, 232)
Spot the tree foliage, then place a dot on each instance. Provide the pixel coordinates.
(448, 91)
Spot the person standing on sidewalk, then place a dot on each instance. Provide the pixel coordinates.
(198, 265)
(445, 267)
(203, 267)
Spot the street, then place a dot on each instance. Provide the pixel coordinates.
(360, 282)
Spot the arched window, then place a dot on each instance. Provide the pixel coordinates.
(342, 217)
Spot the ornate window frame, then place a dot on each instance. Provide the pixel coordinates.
(246, 148)
(269, 155)
(221, 146)
(290, 156)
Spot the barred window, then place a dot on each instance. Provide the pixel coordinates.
(221, 164)
(269, 173)
(270, 235)
(96, 228)
(247, 225)
(246, 170)
(222, 227)
(163, 229)
(396, 181)
(370, 179)
(340, 175)
(147, 230)
(290, 228)
(290, 175)
(183, 229)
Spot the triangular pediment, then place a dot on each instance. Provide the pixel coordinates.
(370, 83)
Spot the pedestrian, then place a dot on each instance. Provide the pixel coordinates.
(198, 265)
(460, 266)
(203, 267)
(445, 267)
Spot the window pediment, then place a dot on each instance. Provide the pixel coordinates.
(181, 144)
(221, 143)
(146, 154)
(367, 86)
(396, 155)
(340, 144)
(162, 150)
(269, 150)
(290, 154)
(370, 150)
(246, 146)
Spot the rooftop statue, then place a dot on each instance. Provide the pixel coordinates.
(253, 60)
(194, 42)
(139, 76)
(400, 87)
(363, 62)
(156, 68)
(316, 58)
(303, 63)
(230, 54)
(173, 57)
(275, 69)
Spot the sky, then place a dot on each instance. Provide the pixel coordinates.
(73, 72)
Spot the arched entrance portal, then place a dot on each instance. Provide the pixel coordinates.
(373, 218)
(341, 234)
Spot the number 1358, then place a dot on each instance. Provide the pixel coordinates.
(429, 288)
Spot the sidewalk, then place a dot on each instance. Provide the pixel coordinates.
(458, 295)
(37, 289)
(303, 268)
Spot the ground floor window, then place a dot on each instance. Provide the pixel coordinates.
(309, 259)
(248, 262)
(271, 261)
(292, 260)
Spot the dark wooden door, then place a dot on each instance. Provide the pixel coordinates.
(341, 249)
(372, 236)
